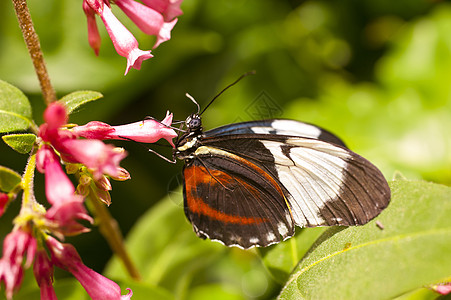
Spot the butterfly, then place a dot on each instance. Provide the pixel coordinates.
(249, 184)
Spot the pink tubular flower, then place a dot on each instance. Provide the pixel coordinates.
(4, 199)
(16, 244)
(43, 272)
(97, 286)
(67, 207)
(146, 131)
(95, 155)
(150, 21)
(93, 31)
(170, 9)
(55, 116)
(98, 157)
(154, 17)
(124, 42)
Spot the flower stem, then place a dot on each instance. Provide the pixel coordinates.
(27, 181)
(110, 230)
(34, 49)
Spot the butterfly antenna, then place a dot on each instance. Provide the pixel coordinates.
(172, 127)
(194, 101)
(226, 88)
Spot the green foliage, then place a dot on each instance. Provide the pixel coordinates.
(76, 99)
(368, 262)
(9, 179)
(15, 110)
(22, 143)
(373, 72)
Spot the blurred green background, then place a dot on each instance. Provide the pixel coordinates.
(374, 72)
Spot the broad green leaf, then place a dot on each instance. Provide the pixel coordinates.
(368, 262)
(8, 179)
(22, 143)
(15, 109)
(280, 259)
(74, 100)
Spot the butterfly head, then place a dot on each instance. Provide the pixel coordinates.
(193, 123)
(188, 142)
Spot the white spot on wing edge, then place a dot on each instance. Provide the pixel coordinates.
(282, 228)
(254, 240)
(296, 128)
(270, 237)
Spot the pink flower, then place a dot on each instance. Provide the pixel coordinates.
(95, 155)
(67, 208)
(154, 17)
(168, 8)
(124, 42)
(93, 31)
(43, 272)
(98, 157)
(97, 286)
(16, 244)
(150, 21)
(55, 116)
(4, 199)
(146, 131)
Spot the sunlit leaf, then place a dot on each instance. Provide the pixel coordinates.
(8, 179)
(15, 109)
(282, 258)
(368, 262)
(76, 99)
(22, 143)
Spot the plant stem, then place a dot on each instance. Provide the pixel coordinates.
(110, 230)
(27, 181)
(34, 49)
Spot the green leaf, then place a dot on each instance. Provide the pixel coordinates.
(74, 100)
(15, 109)
(280, 259)
(9, 179)
(368, 262)
(22, 143)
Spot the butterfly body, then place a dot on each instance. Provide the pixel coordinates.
(248, 184)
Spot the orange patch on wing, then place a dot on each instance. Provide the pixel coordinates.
(199, 175)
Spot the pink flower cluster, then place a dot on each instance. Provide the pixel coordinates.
(81, 147)
(153, 17)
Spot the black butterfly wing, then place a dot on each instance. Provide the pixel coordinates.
(233, 200)
(277, 127)
(323, 183)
